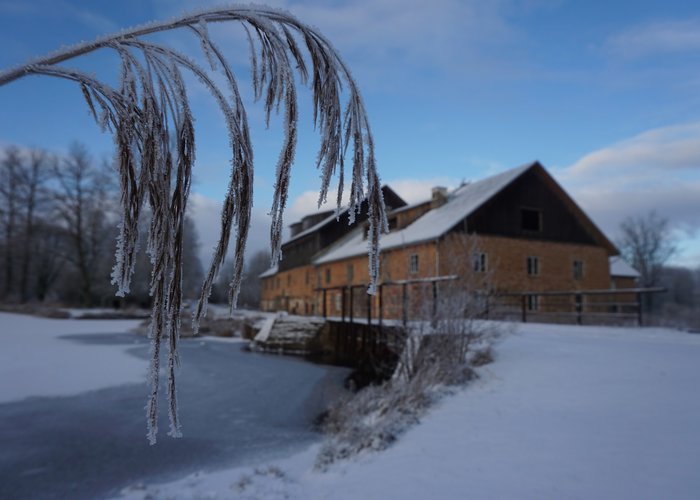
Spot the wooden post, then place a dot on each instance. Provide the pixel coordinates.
(578, 298)
(435, 295)
(639, 308)
(381, 304)
(372, 338)
(524, 308)
(352, 303)
(342, 304)
(324, 304)
(369, 309)
(404, 304)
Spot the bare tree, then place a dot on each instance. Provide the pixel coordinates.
(257, 264)
(48, 258)
(192, 270)
(33, 178)
(9, 212)
(81, 203)
(151, 102)
(646, 243)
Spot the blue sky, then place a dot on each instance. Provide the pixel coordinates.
(605, 94)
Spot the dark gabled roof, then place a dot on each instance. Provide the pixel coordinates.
(391, 199)
(461, 203)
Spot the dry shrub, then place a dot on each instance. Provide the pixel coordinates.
(440, 351)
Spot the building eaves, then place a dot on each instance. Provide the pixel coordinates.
(432, 225)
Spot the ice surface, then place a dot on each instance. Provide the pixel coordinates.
(564, 412)
(36, 361)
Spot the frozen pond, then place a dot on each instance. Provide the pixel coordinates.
(236, 408)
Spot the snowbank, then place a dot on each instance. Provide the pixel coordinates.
(564, 412)
(36, 361)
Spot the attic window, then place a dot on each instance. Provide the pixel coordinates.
(531, 219)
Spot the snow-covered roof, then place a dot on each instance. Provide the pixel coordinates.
(620, 268)
(433, 224)
(270, 272)
(408, 207)
(318, 225)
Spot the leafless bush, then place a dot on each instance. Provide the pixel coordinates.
(450, 326)
(440, 351)
(372, 419)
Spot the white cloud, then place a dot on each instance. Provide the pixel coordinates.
(374, 35)
(206, 214)
(675, 146)
(657, 38)
(655, 170)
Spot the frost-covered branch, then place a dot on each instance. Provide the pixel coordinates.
(150, 107)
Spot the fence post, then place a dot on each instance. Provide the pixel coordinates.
(404, 304)
(369, 309)
(342, 304)
(352, 303)
(381, 304)
(579, 307)
(324, 304)
(639, 308)
(433, 319)
(523, 307)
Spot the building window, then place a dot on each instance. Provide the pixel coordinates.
(350, 273)
(328, 275)
(578, 269)
(306, 277)
(289, 280)
(533, 266)
(479, 262)
(533, 302)
(413, 263)
(531, 219)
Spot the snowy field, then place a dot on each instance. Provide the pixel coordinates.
(564, 412)
(34, 361)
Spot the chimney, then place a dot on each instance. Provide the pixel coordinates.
(439, 197)
(295, 229)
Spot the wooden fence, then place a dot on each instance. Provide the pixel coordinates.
(420, 299)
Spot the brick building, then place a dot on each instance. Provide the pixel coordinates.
(521, 229)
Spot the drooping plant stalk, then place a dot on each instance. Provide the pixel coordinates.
(152, 124)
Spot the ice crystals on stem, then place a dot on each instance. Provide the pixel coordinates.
(153, 128)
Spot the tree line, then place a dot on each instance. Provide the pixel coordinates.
(58, 226)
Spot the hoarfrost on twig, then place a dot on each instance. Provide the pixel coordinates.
(151, 107)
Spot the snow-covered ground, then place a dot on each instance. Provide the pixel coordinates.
(564, 412)
(36, 361)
